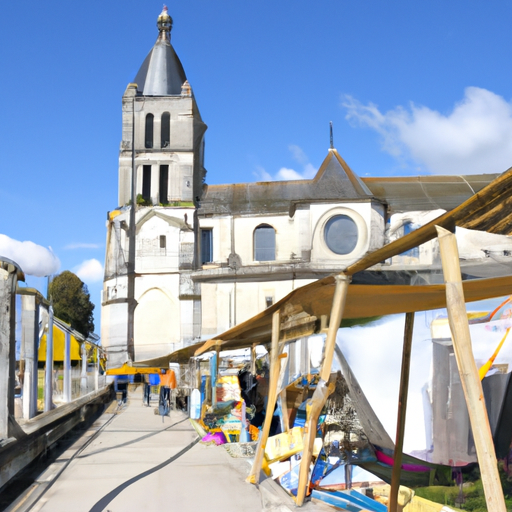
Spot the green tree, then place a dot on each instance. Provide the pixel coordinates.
(71, 302)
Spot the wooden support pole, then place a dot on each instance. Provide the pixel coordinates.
(457, 317)
(323, 323)
(338, 306)
(275, 368)
(314, 408)
(402, 408)
(198, 373)
(253, 358)
(282, 396)
(217, 366)
(284, 410)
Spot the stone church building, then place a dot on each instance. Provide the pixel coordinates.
(186, 260)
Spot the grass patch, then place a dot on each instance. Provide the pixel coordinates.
(439, 494)
(474, 497)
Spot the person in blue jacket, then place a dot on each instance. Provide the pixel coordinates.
(150, 380)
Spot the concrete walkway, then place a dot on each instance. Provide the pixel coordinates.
(132, 461)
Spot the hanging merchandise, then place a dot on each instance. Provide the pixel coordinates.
(228, 388)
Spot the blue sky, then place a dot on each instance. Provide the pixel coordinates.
(411, 87)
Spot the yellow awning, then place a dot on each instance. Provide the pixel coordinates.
(363, 301)
(58, 346)
(126, 369)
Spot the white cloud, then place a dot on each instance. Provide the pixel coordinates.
(286, 174)
(89, 271)
(475, 137)
(262, 174)
(83, 246)
(34, 260)
(298, 154)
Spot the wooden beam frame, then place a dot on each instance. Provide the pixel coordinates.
(275, 367)
(322, 391)
(253, 358)
(484, 211)
(458, 320)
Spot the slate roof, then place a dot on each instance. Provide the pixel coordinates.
(420, 193)
(336, 182)
(161, 73)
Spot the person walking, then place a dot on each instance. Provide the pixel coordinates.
(147, 390)
(167, 382)
(153, 379)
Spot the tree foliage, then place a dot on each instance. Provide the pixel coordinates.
(71, 302)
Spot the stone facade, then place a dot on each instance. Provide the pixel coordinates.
(188, 261)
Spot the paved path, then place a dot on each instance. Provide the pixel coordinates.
(130, 460)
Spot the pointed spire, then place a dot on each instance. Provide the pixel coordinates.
(161, 73)
(164, 24)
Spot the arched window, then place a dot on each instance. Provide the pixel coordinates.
(264, 243)
(165, 130)
(149, 131)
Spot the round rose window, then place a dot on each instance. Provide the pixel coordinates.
(341, 234)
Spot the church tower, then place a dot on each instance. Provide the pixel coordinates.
(150, 306)
(168, 129)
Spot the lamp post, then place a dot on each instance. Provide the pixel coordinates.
(131, 243)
